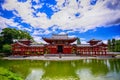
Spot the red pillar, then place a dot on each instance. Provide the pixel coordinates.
(95, 51)
(102, 51)
(105, 51)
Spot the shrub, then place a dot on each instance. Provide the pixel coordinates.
(7, 49)
(8, 75)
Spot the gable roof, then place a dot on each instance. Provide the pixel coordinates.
(19, 43)
(94, 40)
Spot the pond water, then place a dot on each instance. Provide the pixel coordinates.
(77, 70)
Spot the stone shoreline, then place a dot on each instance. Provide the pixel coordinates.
(63, 58)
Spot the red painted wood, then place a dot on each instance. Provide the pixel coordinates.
(18, 49)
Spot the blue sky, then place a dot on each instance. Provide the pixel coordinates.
(86, 19)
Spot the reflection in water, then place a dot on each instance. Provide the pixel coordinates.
(73, 64)
(60, 70)
(85, 74)
(47, 63)
(108, 64)
(78, 70)
(35, 74)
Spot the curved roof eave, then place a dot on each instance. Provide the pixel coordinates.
(49, 40)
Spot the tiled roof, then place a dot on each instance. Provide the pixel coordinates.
(22, 44)
(37, 45)
(31, 45)
(100, 43)
(94, 40)
(24, 39)
(84, 45)
(60, 36)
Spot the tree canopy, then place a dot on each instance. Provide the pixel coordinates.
(114, 45)
(78, 41)
(9, 34)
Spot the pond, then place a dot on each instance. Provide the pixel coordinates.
(86, 69)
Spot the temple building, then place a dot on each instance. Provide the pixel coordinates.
(95, 47)
(59, 44)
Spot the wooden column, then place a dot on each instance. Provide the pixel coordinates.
(91, 51)
(102, 50)
(95, 51)
(105, 51)
(84, 51)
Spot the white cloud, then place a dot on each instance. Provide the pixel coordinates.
(37, 6)
(117, 37)
(40, 32)
(101, 14)
(84, 42)
(39, 39)
(82, 39)
(25, 28)
(37, 1)
(105, 41)
(26, 13)
(98, 16)
(62, 33)
(71, 36)
(90, 16)
(47, 32)
(4, 23)
(7, 22)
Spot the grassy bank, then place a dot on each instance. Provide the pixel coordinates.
(6, 74)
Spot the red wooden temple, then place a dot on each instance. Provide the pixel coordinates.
(59, 44)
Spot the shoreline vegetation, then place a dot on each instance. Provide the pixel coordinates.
(16, 69)
(6, 74)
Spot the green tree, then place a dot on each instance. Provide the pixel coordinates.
(7, 49)
(9, 34)
(78, 41)
(24, 34)
(113, 45)
(109, 45)
(117, 46)
(1, 43)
